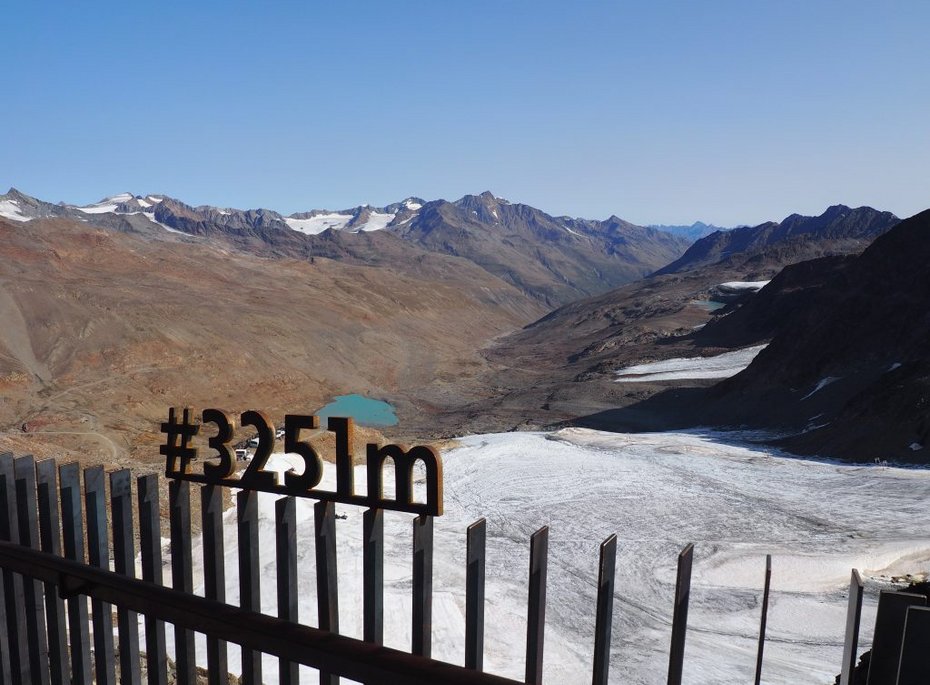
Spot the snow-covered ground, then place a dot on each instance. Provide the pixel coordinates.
(657, 492)
(720, 366)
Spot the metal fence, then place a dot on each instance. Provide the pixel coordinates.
(55, 554)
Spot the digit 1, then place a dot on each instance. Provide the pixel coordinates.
(220, 443)
(313, 467)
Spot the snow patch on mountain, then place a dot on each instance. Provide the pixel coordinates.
(10, 209)
(108, 204)
(376, 222)
(683, 368)
(319, 223)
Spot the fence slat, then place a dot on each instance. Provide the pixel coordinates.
(27, 507)
(50, 538)
(6, 673)
(605, 610)
(124, 563)
(285, 516)
(214, 574)
(156, 657)
(475, 548)
(72, 528)
(676, 657)
(765, 614)
(853, 615)
(536, 614)
(327, 595)
(98, 555)
(373, 576)
(182, 575)
(14, 646)
(421, 640)
(249, 576)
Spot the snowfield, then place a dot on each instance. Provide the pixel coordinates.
(682, 368)
(657, 492)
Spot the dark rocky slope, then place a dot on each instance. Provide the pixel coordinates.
(867, 328)
(839, 230)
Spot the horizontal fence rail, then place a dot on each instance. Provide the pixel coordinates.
(288, 641)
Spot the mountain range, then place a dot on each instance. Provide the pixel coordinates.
(552, 259)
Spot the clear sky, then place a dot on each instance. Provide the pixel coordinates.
(659, 112)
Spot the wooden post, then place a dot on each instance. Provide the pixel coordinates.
(27, 508)
(676, 657)
(605, 610)
(765, 613)
(327, 595)
(214, 574)
(72, 528)
(182, 578)
(536, 618)
(156, 657)
(98, 555)
(50, 538)
(249, 575)
(475, 548)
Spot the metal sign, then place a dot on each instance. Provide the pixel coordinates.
(180, 455)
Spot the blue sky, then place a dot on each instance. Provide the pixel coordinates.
(659, 112)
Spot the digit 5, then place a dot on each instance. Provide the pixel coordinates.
(313, 467)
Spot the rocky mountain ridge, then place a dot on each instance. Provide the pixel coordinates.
(551, 259)
(839, 230)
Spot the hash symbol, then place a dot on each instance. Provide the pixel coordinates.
(177, 442)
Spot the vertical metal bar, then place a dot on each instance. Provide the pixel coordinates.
(249, 578)
(214, 574)
(156, 657)
(536, 614)
(182, 576)
(327, 595)
(50, 538)
(421, 641)
(72, 528)
(605, 610)
(676, 657)
(12, 582)
(373, 576)
(124, 563)
(285, 514)
(6, 673)
(475, 547)
(765, 614)
(853, 614)
(27, 506)
(98, 555)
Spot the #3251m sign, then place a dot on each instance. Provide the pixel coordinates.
(180, 455)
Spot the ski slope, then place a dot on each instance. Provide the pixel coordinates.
(657, 492)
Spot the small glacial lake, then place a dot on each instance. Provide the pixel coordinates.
(709, 305)
(364, 410)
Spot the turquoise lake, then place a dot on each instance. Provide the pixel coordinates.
(364, 410)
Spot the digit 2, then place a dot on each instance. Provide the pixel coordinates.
(255, 476)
